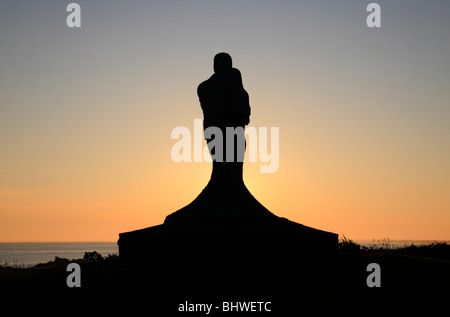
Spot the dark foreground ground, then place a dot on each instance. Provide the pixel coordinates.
(285, 282)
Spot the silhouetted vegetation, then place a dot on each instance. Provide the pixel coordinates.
(112, 257)
(347, 245)
(60, 260)
(14, 265)
(438, 250)
(92, 256)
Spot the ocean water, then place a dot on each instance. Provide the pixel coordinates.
(24, 254)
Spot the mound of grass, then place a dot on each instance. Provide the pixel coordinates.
(440, 250)
(437, 250)
(346, 245)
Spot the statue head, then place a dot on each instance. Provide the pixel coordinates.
(222, 62)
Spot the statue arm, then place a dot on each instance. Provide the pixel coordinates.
(203, 96)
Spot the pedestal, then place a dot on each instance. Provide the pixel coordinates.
(225, 221)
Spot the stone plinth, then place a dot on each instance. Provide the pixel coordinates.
(227, 237)
(225, 221)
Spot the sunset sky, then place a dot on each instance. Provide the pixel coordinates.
(86, 114)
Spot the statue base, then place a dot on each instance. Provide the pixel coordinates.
(225, 221)
(226, 238)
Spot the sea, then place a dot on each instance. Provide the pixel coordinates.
(27, 254)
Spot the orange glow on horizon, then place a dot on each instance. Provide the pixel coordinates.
(86, 116)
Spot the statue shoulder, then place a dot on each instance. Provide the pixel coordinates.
(205, 86)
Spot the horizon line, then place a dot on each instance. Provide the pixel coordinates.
(356, 240)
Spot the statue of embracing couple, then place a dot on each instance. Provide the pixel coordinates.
(225, 104)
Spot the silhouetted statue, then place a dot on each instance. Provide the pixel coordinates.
(225, 216)
(226, 108)
(225, 103)
(223, 99)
